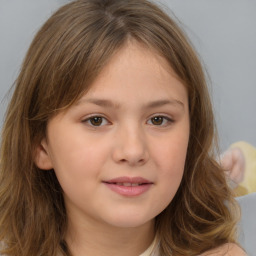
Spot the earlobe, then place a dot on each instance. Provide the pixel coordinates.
(42, 157)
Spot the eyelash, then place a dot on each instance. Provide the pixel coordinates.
(90, 119)
(165, 119)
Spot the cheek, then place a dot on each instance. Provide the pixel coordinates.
(171, 169)
(78, 167)
(79, 155)
(170, 159)
(171, 153)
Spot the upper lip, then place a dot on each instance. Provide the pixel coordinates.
(124, 179)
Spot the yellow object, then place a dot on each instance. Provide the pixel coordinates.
(248, 185)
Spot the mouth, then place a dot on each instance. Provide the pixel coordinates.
(129, 181)
(129, 186)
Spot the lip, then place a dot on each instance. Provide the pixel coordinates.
(134, 186)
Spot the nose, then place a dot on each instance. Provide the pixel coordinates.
(130, 147)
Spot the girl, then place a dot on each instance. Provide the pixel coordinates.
(107, 143)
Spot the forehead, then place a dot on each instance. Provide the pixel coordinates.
(137, 56)
(134, 70)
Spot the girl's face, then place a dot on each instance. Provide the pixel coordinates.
(119, 153)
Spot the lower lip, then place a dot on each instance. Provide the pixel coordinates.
(129, 191)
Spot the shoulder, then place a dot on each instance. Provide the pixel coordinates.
(229, 249)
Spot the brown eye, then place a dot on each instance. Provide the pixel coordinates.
(96, 120)
(157, 120)
(163, 121)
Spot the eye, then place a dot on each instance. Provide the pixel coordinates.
(96, 121)
(160, 120)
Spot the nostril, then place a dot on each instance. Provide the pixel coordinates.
(133, 161)
(129, 154)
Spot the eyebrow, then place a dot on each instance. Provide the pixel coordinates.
(99, 102)
(110, 104)
(159, 103)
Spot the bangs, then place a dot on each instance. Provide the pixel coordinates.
(76, 43)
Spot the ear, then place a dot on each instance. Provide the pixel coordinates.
(42, 157)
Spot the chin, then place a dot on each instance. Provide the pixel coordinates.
(129, 220)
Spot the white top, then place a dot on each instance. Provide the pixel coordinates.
(152, 250)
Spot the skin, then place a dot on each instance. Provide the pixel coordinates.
(133, 88)
(233, 161)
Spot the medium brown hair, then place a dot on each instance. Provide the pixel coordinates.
(64, 58)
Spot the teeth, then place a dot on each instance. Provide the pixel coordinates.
(121, 184)
(127, 184)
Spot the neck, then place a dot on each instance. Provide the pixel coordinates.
(94, 239)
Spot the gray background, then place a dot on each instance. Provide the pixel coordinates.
(222, 31)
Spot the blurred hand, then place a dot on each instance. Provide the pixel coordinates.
(233, 162)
